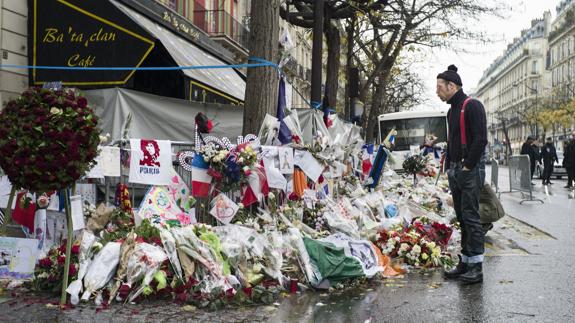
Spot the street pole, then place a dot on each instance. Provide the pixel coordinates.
(317, 53)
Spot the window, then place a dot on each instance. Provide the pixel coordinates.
(534, 67)
(534, 85)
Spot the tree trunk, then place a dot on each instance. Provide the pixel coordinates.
(333, 62)
(349, 55)
(262, 82)
(376, 100)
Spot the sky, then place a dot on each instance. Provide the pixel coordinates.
(471, 65)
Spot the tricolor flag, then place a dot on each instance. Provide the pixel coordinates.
(367, 159)
(200, 179)
(257, 187)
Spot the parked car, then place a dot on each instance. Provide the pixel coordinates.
(558, 169)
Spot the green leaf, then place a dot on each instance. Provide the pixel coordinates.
(38, 128)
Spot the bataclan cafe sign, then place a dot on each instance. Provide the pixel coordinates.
(82, 33)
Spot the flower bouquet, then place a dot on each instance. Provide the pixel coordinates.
(417, 245)
(50, 269)
(48, 139)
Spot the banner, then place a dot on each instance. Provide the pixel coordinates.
(150, 161)
(362, 250)
(161, 209)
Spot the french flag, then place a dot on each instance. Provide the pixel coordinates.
(367, 159)
(200, 179)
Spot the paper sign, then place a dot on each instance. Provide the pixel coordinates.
(87, 191)
(286, 160)
(17, 257)
(308, 164)
(269, 156)
(110, 161)
(224, 209)
(77, 212)
(275, 178)
(150, 161)
(96, 170)
(5, 188)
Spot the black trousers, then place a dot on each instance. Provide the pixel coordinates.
(547, 171)
(570, 176)
(465, 187)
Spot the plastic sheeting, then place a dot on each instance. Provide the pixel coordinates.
(158, 117)
(186, 54)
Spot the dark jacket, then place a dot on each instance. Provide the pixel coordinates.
(530, 150)
(569, 155)
(475, 131)
(549, 154)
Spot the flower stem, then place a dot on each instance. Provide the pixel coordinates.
(8, 211)
(68, 247)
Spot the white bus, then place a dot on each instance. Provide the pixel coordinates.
(412, 128)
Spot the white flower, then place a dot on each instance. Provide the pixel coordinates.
(431, 245)
(424, 256)
(206, 159)
(416, 249)
(56, 111)
(403, 247)
(271, 196)
(241, 160)
(240, 205)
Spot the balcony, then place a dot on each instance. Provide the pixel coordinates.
(224, 29)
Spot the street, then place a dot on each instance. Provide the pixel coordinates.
(527, 278)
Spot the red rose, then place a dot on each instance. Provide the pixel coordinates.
(75, 249)
(45, 262)
(247, 291)
(61, 260)
(293, 197)
(72, 271)
(82, 102)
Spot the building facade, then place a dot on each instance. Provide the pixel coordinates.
(512, 89)
(14, 42)
(218, 27)
(561, 59)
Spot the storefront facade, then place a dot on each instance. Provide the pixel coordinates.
(121, 34)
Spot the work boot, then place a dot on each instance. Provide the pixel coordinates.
(473, 275)
(459, 270)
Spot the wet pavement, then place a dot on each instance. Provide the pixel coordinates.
(528, 277)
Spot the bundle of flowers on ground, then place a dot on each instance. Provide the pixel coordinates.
(420, 244)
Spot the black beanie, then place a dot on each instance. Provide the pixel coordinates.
(451, 75)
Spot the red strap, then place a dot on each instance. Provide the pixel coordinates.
(462, 122)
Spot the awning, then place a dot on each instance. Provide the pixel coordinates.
(174, 121)
(186, 54)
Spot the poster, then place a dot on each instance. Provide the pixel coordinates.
(110, 161)
(17, 257)
(286, 160)
(77, 212)
(308, 164)
(150, 161)
(362, 250)
(161, 209)
(223, 208)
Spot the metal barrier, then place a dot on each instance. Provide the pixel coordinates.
(520, 178)
(495, 176)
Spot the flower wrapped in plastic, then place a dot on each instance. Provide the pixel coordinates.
(143, 264)
(85, 259)
(101, 270)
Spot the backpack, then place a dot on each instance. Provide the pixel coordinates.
(490, 208)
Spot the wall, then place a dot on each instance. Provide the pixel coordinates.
(13, 39)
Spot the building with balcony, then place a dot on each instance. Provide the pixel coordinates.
(561, 58)
(132, 33)
(225, 21)
(513, 87)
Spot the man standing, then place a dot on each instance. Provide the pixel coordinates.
(569, 161)
(530, 149)
(549, 156)
(466, 145)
